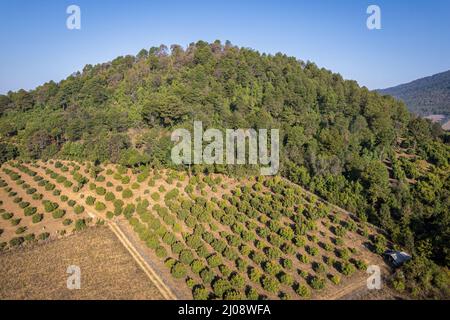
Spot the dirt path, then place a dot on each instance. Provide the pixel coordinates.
(342, 292)
(158, 282)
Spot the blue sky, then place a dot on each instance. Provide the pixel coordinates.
(413, 42)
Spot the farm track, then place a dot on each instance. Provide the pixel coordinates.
(141, 261)
(345, 291)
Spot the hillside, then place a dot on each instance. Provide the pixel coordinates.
(210, 236)
(356, 148)
(426, 96)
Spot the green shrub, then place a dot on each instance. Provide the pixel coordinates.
(100, 206)
(207, 275)
(118, 203)
(80, 224)
(172, 194)
(15, 222)
(335, 279)
(37, 196)
(252, 294)
(318, 267)
(176, 247)
(31, 191)
(118, 211)
(346, 268)
(79, 209)
(344, 254)
(360, 265)
(197, 266)
(127, 193)
(220, 286)
(186, 256)
(161, 252)
(287, 264)
(135, 186)
(67, 222)
(37, 218)
(169, 238)
(286, 279)
(129, 210)
(50, 206)
(380, 243)
(100, 191)
(29, 211)
(302, 291)
(317, 283)
(21, 230)
(49, 186)
(29, 237)
(57, 214)
(178, 270)
(271, 267)
(17, 241)
(152, 241)
(155, 196)
(200, 293)
(44, 236)
(90, 200)
(24, 204)
(214, 260)
(270, 284)
(237, 281)
(232, 294)
(109, 196)
(7, 215)
(68, 184)
(313, 251)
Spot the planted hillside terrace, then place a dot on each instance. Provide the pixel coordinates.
(217, 237)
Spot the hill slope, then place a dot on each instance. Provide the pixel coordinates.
(356, 148)
(212, 235)
(426, 96)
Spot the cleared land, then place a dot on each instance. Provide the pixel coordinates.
(205, 236)
(39, 271)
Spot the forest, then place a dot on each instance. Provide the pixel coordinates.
(425, 96)
(354, 147)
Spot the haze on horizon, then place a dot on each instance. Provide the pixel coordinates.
(37, 46)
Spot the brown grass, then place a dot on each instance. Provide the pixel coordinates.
(107, 270)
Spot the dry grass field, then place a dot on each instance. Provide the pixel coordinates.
(107, 269)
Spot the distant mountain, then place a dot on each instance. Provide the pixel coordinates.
(426, 96)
